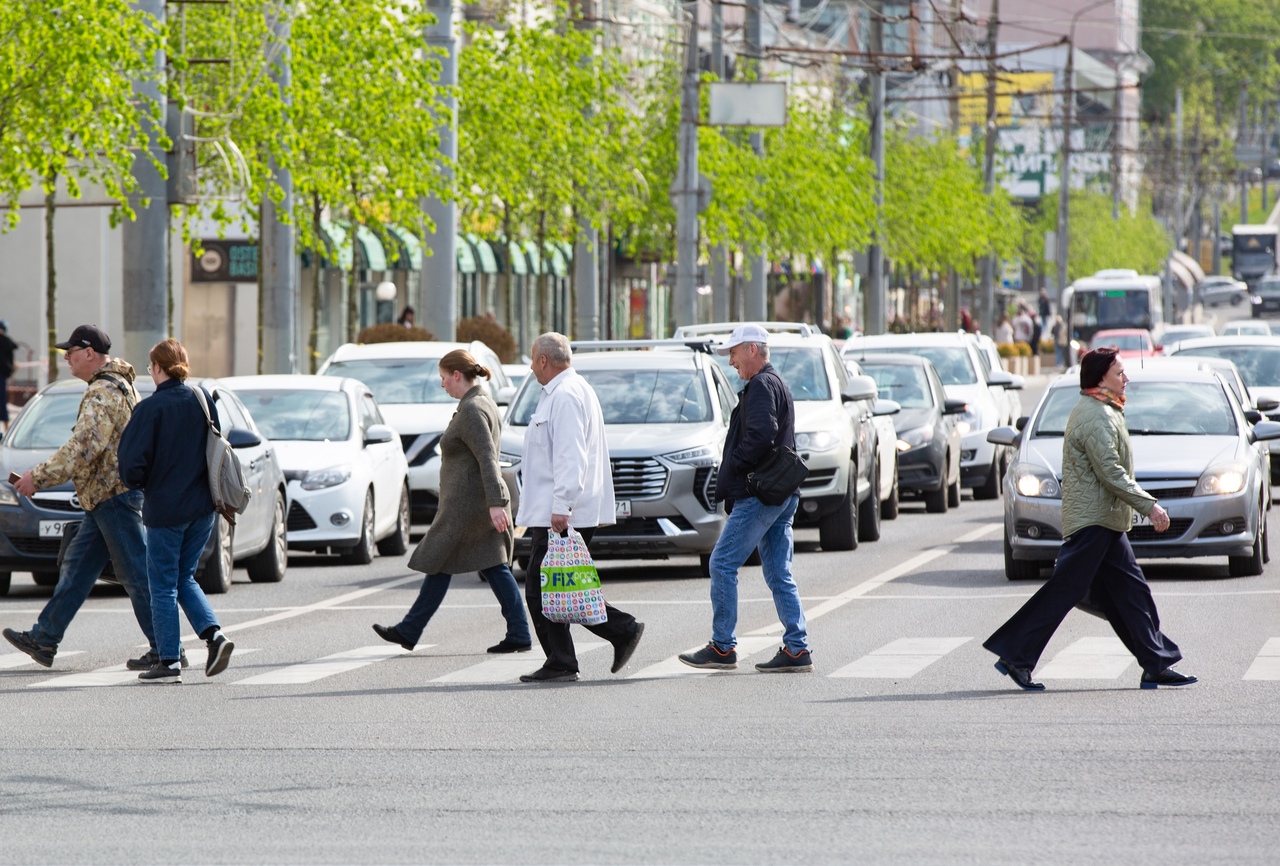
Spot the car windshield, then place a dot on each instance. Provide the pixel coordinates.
(47, 422)
(1247, 328)
(1127, 342)
(954, 365)
(1152, 409)
(1259, 366)
(904, 384)
(396, 380)
(635, 397)
(1269, 287)
(303, 416)
(802, 369)
(1172, 335)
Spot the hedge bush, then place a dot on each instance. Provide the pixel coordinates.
(1024, 349)
(492, 334)
(1006, 350)
(390, 332)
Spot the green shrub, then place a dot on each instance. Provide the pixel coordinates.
(390, 332)
(1024, 349)
(492, 334)
(1047, 347)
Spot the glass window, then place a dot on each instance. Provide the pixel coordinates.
(369, 414)
(1152, 409)
(802, 369)
(954, 365)
(635, 397)
(47, 422)
(396, 380)
(1124, 342)
(308, 416)
(905, 385)
(1259, 366)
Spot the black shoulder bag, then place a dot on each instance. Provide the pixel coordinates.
(777, 476)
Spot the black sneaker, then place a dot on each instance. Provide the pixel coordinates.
(219, 654)
(1167, 678)
(787, 662)
(42, 654)
(622, 651)
(151, 657)
(550, 675)
(711, 657)
(162, 673)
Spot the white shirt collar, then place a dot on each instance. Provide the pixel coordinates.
(557, 380)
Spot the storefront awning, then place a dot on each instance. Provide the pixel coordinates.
(466, 255)
(375, 255)
(341, 250)
(556, 259)
(515, 263)
(411, 244)
(535, 258)
(488, 261)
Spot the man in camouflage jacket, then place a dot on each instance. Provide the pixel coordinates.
(112, 525)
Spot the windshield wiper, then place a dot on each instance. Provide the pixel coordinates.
(1165, 433)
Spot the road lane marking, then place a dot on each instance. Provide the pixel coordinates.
(117, 675)
(902, 658)
(507, 668)
(17, 660)
(673, 668)
(338, 663)
(1090, 658)
(1267, 665)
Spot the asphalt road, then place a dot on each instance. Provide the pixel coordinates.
(904, 746)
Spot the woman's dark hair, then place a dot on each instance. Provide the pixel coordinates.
(1095, 364)
(404, 315)
(462, 361)
(171, 356)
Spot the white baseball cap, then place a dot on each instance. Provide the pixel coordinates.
(749, 333)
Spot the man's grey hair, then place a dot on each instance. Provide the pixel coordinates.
(555, 347)
(764, 350)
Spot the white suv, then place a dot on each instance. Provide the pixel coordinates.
(834, 430)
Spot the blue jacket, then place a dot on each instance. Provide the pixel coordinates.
(162, 453)
(763, 421)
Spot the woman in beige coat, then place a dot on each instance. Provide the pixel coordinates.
(472, 530)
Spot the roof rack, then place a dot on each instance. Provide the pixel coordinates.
(704, 346)
(802, 328)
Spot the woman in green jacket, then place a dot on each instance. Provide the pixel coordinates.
(1099, 497)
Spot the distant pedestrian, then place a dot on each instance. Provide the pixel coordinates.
(761, 423)
(7, 368)
(966, 321)
(1004, 330)
(472, 530)
(111, 528)
(162, 453)
(1061, 345)
(567, 482)
(1099, 496)
(1046, 309)
(406, 317)
(1022, 325)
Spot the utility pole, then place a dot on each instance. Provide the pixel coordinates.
(951, 302)
(757, 300)
(586, 248)
(876, 305)
(1262, 159)
(438, 306)
(1064, 171)
(719, 252)
(684, 191)
(276, 242)
(1241, 140)
(1179, 227)
(989, 166)
(146, 239)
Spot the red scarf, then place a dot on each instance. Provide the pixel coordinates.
(1104, 395)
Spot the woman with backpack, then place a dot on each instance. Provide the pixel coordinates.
(162, 453)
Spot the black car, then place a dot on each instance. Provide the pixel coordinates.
(928, 440)
(1266, 295)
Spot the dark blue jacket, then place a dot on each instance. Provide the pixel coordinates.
(162, 453)
(763, 421)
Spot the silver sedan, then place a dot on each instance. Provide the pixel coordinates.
(1195, 449)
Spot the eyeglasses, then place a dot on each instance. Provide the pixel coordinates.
(74, 349)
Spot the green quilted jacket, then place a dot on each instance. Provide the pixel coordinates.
(1097, 470)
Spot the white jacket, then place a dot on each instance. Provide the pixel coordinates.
(566, 458)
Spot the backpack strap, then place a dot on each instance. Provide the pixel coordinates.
(121, 385)
(204, 404)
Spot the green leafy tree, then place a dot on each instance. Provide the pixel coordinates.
(1136, 240)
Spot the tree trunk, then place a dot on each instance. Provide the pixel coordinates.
(353, 281)
(51, 275)
(313, 342)
(543, 294)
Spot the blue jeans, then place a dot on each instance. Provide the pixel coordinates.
(754, 524)
(501, 581)
(173, 552)
(113, 530)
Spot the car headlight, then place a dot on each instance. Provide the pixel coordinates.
(915, 437)
(1223, 479)
(703, 455)
(819, 441)
(8, 496)
(1255, 299)
(968, 421)
(506, 459)
(319, 479)
(1036, 482)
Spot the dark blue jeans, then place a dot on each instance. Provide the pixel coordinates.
(173, 553)
(113, 530)
(501, 581)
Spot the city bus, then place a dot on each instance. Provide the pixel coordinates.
(1110, 299)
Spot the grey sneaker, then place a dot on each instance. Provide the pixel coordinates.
(711, 657)
(162, 673)
(787, 662)
(151, 658)
(219, 654)
(41, 653)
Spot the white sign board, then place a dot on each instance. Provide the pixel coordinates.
(748, 103)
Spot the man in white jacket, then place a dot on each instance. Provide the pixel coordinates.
(567, 482)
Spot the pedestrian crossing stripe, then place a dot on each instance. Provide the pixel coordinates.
(673, 668)
(507, 668)
(338, 663)
(1090, 658)
(901, 658)
(1267, 665)
(117, 675)
(9, 661)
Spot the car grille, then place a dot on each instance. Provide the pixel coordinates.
(55, 504)
(1178, 527)
(638, 478)
(818, 478)
(427, 451)
(1046, 533)
(36, 546)
(299, 519)
(704, 486)
(1168, 492)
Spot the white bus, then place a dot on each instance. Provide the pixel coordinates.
(1111, 299)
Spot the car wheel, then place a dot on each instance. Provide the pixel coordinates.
(953, 494)
(6, 578)
(1019, 569)
(215, 577)
(523, 563)
(869, 510)
(839, 529)
(397, 543)
(990, 488)
(1251, 565)
(889, 508)
(935, 501)
(362, 553)
(45, 578)
(1235, 300)
(704, 564)
(269, 565)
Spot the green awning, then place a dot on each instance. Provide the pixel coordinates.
(535, 258)
(466, 256)
(375, 255)
(339, 244)
(555, 257)
(488, 261)
(411, 244)
(516, 263)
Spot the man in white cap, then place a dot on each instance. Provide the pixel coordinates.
(762, 422)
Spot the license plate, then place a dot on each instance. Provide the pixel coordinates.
(53, 528)
(622, 508)
(1139, 520)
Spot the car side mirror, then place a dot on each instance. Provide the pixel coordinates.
(1253, 416)
(238, 437)
(1267, 404)
(1021, 423)
(1005, 380)
(1265, 430)
(860, 388)
(886, 407)
(504, 395)
(954, 407)
(378, 434)
(1004, 436)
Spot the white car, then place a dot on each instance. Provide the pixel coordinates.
(956, 358)
(405, 380)
(1246, 328)
(990, 358)
(882, 412)
(834, 430)
(345, 472)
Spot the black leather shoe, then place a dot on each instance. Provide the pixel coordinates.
(1167, 678)
(549, 675)
(506, 646)
(622, 651)
(1019, 675)
(391, 635)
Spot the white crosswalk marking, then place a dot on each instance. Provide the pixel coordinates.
(1267, 665)
(507, 668)
(901, 658)
(17, 660)
(672, 668)
(117, 675)
(338, 663)
(1090, 658)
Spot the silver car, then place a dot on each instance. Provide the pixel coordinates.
(1194, 449)
(666, 418)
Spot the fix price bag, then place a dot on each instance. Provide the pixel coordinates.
(570, 583)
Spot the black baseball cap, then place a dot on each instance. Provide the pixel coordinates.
(89, 337)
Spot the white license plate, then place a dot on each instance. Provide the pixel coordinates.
(622, 508)
(53, 528)
(1139, 520)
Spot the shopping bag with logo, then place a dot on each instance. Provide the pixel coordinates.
(570, 583)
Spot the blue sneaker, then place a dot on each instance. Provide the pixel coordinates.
(787, 662)
(711, 657)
